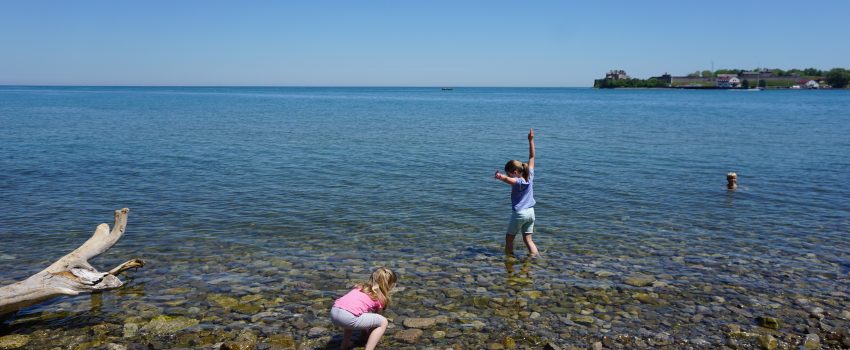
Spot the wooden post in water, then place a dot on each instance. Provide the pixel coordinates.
(731, 181)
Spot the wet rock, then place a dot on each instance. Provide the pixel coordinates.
(315, 343)
(604, 274)
(316, 332)
(583, 320)
(14, 341)
(281, 342)
(168, 324)
(452, 293)
(639, 280)
(439, 335)
(113, 346)
(224, 301)
(663, 338)
(646, 298)
(700, 342)
(551, 346)
(246, 340)
(420, 322)
(130, 330)
(509, 343)
(248, 309)
(532, 294)
(408, 335)
(597, 346)
(811, 342)
(768, 342)
(816, 312)
(768, 322)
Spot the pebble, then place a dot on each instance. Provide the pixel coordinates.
(316, 332)
(639, 280)
(420, 322)
(14, 341)
(408, 335)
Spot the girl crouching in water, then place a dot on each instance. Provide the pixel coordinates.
(359, 307)
(520, 176)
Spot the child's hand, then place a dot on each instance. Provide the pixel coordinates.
(530, 134)
(498, 176)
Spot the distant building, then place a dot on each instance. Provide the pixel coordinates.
(811, 84)
(617, 75)
(727, 81)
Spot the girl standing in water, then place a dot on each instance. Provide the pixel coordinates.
(521, 178)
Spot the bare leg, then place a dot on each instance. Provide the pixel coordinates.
(376, 335)
(346, 340)
(532, 249)
(509, 244)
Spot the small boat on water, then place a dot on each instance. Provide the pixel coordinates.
(447, 89)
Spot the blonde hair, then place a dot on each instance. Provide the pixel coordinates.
(379, 285)
(514, 164)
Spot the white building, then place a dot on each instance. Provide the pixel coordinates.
(727, 81)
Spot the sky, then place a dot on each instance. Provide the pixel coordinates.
(408, 43)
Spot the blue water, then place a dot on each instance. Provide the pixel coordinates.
(392, 174)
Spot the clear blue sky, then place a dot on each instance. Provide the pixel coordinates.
(407, 43)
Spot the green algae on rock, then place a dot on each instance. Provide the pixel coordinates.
(14, 341)
(164, 324)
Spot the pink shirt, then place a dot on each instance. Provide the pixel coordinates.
(356, 302)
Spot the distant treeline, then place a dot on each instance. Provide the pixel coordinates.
(838, 78)
(629, 83)
(809, 72)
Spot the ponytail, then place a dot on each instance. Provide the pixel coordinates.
(526, 172)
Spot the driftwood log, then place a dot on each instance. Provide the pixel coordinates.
(72, 274)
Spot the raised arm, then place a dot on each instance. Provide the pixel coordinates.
(531, 148)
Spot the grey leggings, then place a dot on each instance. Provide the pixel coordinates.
(346, 320)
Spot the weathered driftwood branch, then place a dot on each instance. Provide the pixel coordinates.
(72, 274)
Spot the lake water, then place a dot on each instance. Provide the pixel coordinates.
(283, 197)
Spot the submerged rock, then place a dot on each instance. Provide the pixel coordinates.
(14, 341)
(223, 301)
(639, 280)
(812, 342)
(768, 322)
(420, 322)
(408, 335)
(168, 325)
(281, 342)
(768, 342)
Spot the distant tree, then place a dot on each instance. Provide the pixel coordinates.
(694, 74)
(727, 71)
(745, 84)
(707, 74)
(777, 72)
(813, 72)
(838, 77)
(762, 83)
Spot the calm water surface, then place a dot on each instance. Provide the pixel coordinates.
(294, 193)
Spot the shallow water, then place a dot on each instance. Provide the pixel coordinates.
(286, 196)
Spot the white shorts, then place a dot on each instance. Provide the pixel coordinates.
(522, 221)
(346, 320)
